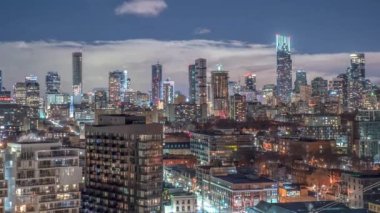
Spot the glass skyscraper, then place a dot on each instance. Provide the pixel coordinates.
(77, 73)
(355, 81)
(300, 80)
(156, 83)
(284, 68)
(53, 83)
(117, 85)
(192, 83)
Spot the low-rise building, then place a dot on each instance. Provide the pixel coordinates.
(183, 202)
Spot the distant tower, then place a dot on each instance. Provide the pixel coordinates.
(53, 83)
(117, 85)
(319, 87)
(219, 84)
(284, 68)
(201, 70)
(250, 82)
(355, 81)
(77, 73)
(300, 80)
(192, 83)
(156, 83)
(168, 92)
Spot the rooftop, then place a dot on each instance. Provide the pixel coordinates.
(240, 179)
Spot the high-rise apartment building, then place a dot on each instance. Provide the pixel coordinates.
(77, 73)
(156, 84)
(219, 84)
(168, 92)
(100, 98)
(53, 83)
(250, 82)
(42, 177)
(284, 68)
(355, 81)
(193, 82)
(238, 109)
(301, 80)
(3, 182)
(123, 165)
(19, 93)
(118, 86)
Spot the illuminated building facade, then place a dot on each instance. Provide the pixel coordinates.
(19, 92)
(284, 68)
(117, 85)
(250, 82)
(53, 83)
(238, 108)
(355, 81)
(368, 134)
(156, 84)
(42, 177)
(219, 84)
(127, 176)
(301, 80)
(193, 82)
(168, 92)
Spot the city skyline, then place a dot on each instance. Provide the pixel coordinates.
(238, 57)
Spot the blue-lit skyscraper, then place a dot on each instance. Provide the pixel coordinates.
(301, 80)
(284, 68)
(156, 83)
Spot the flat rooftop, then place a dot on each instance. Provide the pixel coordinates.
(240, 179)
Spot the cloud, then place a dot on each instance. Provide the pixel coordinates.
(19, 59)
(202, 31)
(148, 8)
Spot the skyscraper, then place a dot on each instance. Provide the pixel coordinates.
(284, 68)
(355, 81)
(192, 83)
(201, 70)
(156, 84)
(19, 93)
(300, 80)
(219, 84)
(77, 73)
(238, 110)
(128, 177)
(168, 92)
(117, 85)
(32, 91)
(53, 83)
(319, 87)
(250, 82)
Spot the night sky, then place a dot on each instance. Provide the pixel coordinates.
(39, 35)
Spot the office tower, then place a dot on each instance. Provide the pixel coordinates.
(300, 80)
(168, 92)
(156, 84)
(355, 81)
(1, 80)
(219, 84)
(367, 131)
(32, 88)
(53, 83)
(128, 176)
(233, 87)
(269, 91)
(117, 85)
(19, 92)
(238, 108)
(42, 176)
(3, 182)
(250, 82)
(100, 98)
(284, 69)
(77, 73)
(201, 70)
(193, 82)
(319, 87)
